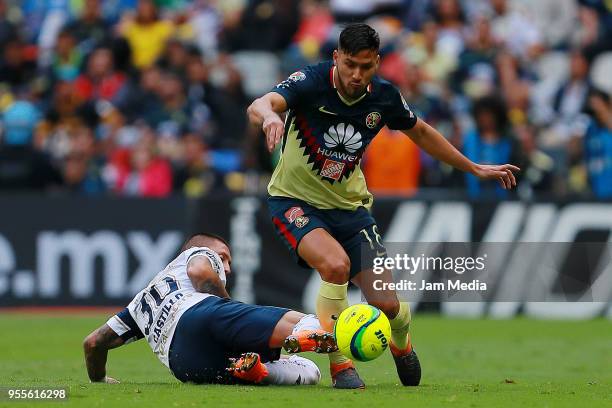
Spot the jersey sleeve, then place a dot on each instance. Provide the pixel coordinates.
(297, 87)
(400, 116)
(215, 260)
(125, 326)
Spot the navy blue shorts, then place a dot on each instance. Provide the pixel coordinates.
(216, 329)
(355, 230)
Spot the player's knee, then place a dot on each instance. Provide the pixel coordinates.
(335, 270)
(389, 307)
(89, 342)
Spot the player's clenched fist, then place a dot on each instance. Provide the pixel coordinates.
(274, 128)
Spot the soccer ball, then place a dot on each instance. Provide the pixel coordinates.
(362, 332)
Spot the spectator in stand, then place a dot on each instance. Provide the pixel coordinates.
(81, 168)
(141, 171)
(515, 83)
(569, 102)
(17, 68)
(596, 17)
(392, 164)
(514, 28)
(274, 21)
(114, 10)
(491, 143)
(316, 23)
(65, 113)
(21, 166)
(431, 107)
(450, 18)
(89, 29)
(193, 175)
(226, 102)
(555, 20)
(67, 59)
(476, 75)
(175, 57)
(140, 98)
(178, 116)
(206, 21)
(117, 66)
(598, 145)
(8, 29)
(146, 34)
(424, 50)
(100, 81)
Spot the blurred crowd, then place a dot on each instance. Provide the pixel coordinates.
(148, 98)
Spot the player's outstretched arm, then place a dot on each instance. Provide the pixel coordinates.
(265, 112)
(430, 140)
(204, 278)
(96, 347)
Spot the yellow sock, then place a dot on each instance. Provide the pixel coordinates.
(400, 325)
(331, 301)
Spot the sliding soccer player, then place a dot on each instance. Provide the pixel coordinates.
(201, 335)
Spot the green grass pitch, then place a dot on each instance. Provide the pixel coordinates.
(466, 363)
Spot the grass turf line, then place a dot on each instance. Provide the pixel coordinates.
(466, 363)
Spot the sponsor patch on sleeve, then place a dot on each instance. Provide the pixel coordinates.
(297, 76)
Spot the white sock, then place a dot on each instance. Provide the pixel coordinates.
(294, 370)
(308, 322)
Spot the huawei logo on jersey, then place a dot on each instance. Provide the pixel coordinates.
(343, 136)
(336, 156)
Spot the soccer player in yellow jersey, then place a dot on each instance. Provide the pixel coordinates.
(319, 201)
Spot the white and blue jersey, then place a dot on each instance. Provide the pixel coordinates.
(155, 311)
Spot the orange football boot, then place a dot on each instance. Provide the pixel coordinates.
(318, 341)
(248, 368)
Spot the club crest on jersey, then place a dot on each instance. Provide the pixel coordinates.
(373, 119)
(293, 213)
(301, 221)
(297, 76)
(332, 169)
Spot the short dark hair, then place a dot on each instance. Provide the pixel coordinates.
(494, 105)
(357, 37)
(200, 238)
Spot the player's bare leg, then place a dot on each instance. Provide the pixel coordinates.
(406, 360)
(308, 335)
(323, 253)
(284, 328)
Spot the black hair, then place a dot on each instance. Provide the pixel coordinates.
(357, 37)
(598, 93)
(198, 238)
(494, 105)
(437, 16)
